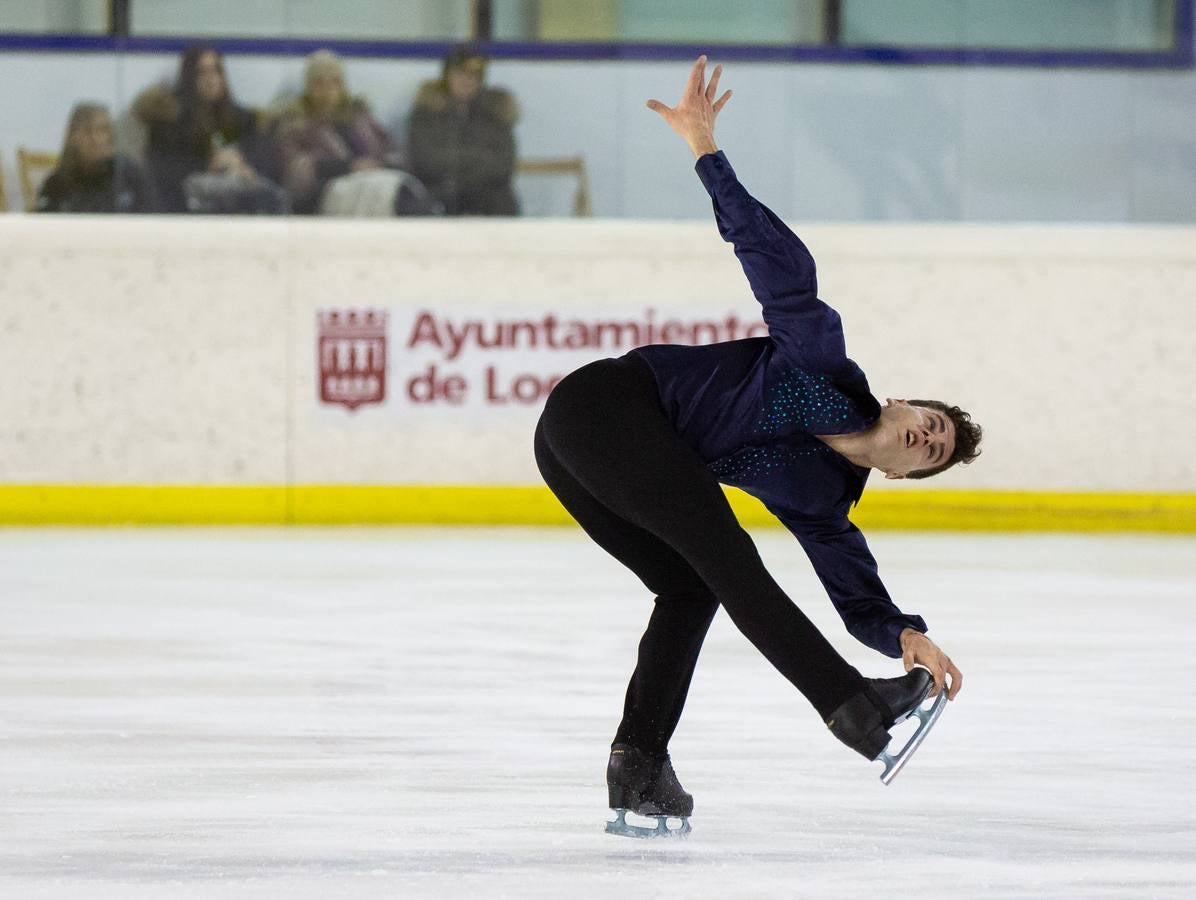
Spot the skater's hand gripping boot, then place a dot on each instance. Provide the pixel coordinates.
(863, 722)
(919, 650)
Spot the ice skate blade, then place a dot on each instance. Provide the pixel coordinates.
(895, 762)
(623, 828)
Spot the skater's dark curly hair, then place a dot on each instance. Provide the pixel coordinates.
(967, 437)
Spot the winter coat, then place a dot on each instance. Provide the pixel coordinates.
(119, 185)
(174, 149)
(315, 150)
(466, 155)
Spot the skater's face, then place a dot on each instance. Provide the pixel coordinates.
(913, 438)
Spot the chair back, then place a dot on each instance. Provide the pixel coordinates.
(574, 166)
(33, 166)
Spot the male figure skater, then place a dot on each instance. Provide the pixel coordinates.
(635, 449)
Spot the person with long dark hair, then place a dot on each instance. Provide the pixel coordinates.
(91, 177)
(204, 150)
(635, 449)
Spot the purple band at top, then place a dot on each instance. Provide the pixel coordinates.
(1181, 56)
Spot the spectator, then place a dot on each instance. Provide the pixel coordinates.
(462, 143)
(91, 177)
(326, 136)
(203, 149)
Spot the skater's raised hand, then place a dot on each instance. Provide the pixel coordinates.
(917, 649)
(693, 116)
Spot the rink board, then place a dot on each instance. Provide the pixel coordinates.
(171, 370)
(511, 505)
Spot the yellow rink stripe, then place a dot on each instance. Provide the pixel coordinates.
(501, 504)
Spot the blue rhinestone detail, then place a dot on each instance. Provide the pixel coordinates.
(754, 462)
(808, 401)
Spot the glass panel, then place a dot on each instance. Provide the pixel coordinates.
(54, 16)
(694, 21)
(660, 21)
(555, 20)
(344, 19)
(1071, 24)
(1011, 24)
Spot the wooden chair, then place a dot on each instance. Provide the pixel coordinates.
(564, 165)
(3, 195)
(34, 166)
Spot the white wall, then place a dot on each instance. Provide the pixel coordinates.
(162, 350)
(817, 142)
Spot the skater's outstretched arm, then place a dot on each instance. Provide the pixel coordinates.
(847, 569)
(778, 266)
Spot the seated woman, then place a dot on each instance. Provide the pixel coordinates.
(327, 135)
(91, 177)
(204, 150)
(463, 141)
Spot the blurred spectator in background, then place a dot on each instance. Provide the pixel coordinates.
(336, 158)
(462, 139)
(203, 149)
(91, 177)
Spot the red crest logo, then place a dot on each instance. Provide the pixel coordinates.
(352, 355)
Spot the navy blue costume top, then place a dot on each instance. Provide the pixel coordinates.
(751, 408)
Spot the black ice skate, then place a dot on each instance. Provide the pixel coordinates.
(647, 786)
(862, 723)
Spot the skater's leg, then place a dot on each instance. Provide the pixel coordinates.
(684, 608)
(668, 655)
(605, 425)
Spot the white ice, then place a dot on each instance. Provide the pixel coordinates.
(426, 713)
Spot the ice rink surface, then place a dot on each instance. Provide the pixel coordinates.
(426, 713)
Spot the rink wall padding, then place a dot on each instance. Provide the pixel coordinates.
(263, 371)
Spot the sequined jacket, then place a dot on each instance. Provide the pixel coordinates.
(751, 409)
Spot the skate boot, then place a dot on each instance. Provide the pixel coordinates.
(646, 786)
(863, 722)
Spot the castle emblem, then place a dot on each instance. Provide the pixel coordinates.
(351, 351)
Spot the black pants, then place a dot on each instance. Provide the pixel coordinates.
(608, 452)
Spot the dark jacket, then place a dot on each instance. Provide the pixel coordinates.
(466, 155)
(118, 186)
(176, 148)
(752, 409)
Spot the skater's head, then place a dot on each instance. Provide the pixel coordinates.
(921, 438)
